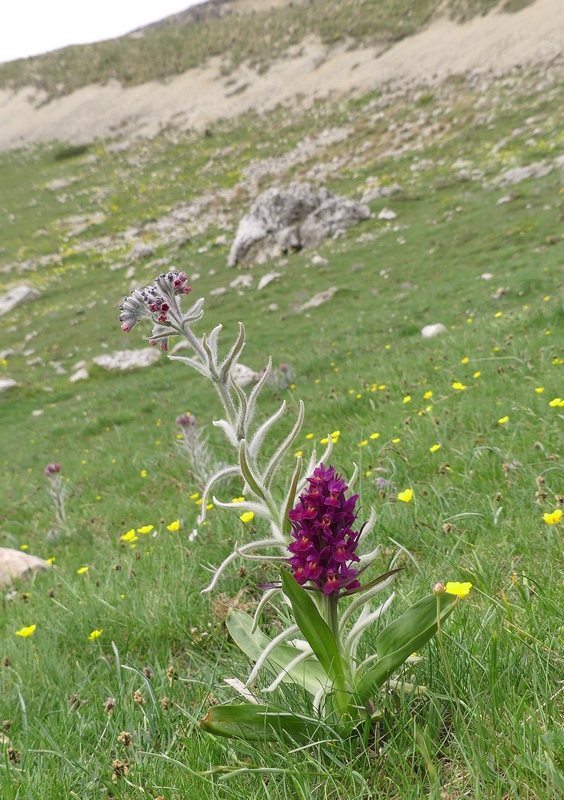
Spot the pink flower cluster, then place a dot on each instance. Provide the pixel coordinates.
(324, 543)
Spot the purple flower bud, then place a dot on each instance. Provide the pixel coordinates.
(186, 421)
(52, 469)
(324, 543)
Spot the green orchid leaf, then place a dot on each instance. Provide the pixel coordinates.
(318, 634)
(309, 674)
(400, 639)
(258, 723)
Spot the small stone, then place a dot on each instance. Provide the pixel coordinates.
(142, 250)
(243, 376)
(507, 198)
(387, 213)
(272, 307)
(319, 299)
(16, 564)
(15, 297)
(486, 276)
(79, 375)
(128, 359)
(37, 412)
(319, 261)
(7, 383)
(242, 281)
(433, 330)
(268, 278)
(218, 292)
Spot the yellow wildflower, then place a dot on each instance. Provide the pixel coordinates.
(498, 314)
(129, 536)
(82, 570)
(309, 436)
(396, 441)
(298, 453)
(476, 374)
(435, 447)
(503, 420)
(24, 547)
(427, 395)
(25, 632)
(406, 496)
(459, 386)
(94, 635)
(51, 560)
(556, 402)
(459, 589)
(174, 526)
(238, 500)
(407, 398)
(145, 529)
(554, 518)
(363, 443)
(143, 473)
(539, 389)
(465, 360)
(247, 516)
(194, 496)
(374, 435)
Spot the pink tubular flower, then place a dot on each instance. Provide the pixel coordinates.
(325, 544)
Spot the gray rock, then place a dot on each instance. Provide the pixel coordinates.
(319, 298)
(376, 192)
(15, 297)
(387, 213)
(7, 383)
(433, 330)
(79, 375)
(16, 564)
(142, 250)
(268, 278)
(243, 376)
(128, 359)
(537, 169)
(283, 220)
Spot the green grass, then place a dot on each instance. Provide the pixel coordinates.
(169, 49)
(489, 725)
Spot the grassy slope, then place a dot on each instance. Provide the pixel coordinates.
(168, 50)
(474, 516)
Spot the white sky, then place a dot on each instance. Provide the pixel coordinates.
(30, 27)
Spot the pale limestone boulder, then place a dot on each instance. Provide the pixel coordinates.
(16, 564)
(7, 383)
(15, 297)
(433, 330)
(128, 359)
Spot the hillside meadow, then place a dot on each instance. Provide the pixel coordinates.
(470, 421)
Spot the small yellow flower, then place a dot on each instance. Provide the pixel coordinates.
(498, 314)
(465, 360)
(556, 402)
(24, 547)
(247, 516)
(435, 447)
(129, 536)
(552, 519)
(298, 453)
(209, 506)
(174, 526)
(459, 589)
(94, 635)
(325, 440)
(82, 570)
(539, 389)
(238, 499)
(476, 374)
(51, 560)
(194, 496)
(335, 434)
(143, 473)
(407, 398)
(503, 420)
(459, 386)
(396, 441)
(358, 396)
(374, 435)
(363, 443)
(406, 496)
(145, 529)
(547, 298)
(309, 436)
(427, 395)
(25, 632)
